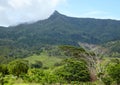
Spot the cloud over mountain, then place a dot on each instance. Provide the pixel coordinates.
(13, 12)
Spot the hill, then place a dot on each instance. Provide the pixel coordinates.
(61, 29)
(28, 38)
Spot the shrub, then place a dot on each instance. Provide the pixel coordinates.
(114, 72)
(18, 67)
(74, 70)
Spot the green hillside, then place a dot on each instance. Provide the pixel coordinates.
(61, 29)
(114, 46)
(48, 61)
(76, 67)
(26, 39)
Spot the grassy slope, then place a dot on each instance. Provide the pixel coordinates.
(48, 61)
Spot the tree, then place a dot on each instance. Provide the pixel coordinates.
(74, 70)
(3, 69)
(114, 71)
(41, 76)
(34, 75)
(18, 67)
(37, 64)
(1, 79)
(107, 80)
(3, 72)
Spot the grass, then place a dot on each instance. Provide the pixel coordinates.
(48, 61)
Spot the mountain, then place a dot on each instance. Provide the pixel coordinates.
(61, 29)
(113, 46)
(58, 29)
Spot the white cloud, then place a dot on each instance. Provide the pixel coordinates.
(19, 3)
(19, 11)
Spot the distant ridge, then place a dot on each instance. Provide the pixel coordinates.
(60, 29)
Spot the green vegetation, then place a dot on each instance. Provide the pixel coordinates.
(26, 39)
(41, 52)
(74, 66)
(47, 61)
(74, 70)
(18, 67)
(114, 46)
(114, 71)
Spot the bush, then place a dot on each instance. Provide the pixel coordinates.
(114, 72)
(18, 67)
(34, 75)
(74, 70)
(41, 76)
(37, 64)
(107, 80)
(3, 69)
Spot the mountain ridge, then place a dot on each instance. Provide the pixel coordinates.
(72, 29)
(26, 39)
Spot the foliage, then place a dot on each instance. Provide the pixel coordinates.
(114, 71)
(37, 64)
(47, 61)
(9, 79)
(72, 50)
(18, 67)
(80, 53)
(25, 39)
(74, 70)
(41, 76)
(107, 80)
(34, 75)
(51, 78)
(3, 69)
(113, 46)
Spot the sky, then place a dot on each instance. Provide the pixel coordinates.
(13, 12)
(103, 9)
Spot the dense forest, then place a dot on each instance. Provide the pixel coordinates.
(61, 50)
(60, 65)
(25, 39)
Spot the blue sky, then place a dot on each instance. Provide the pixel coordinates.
(91, 8)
